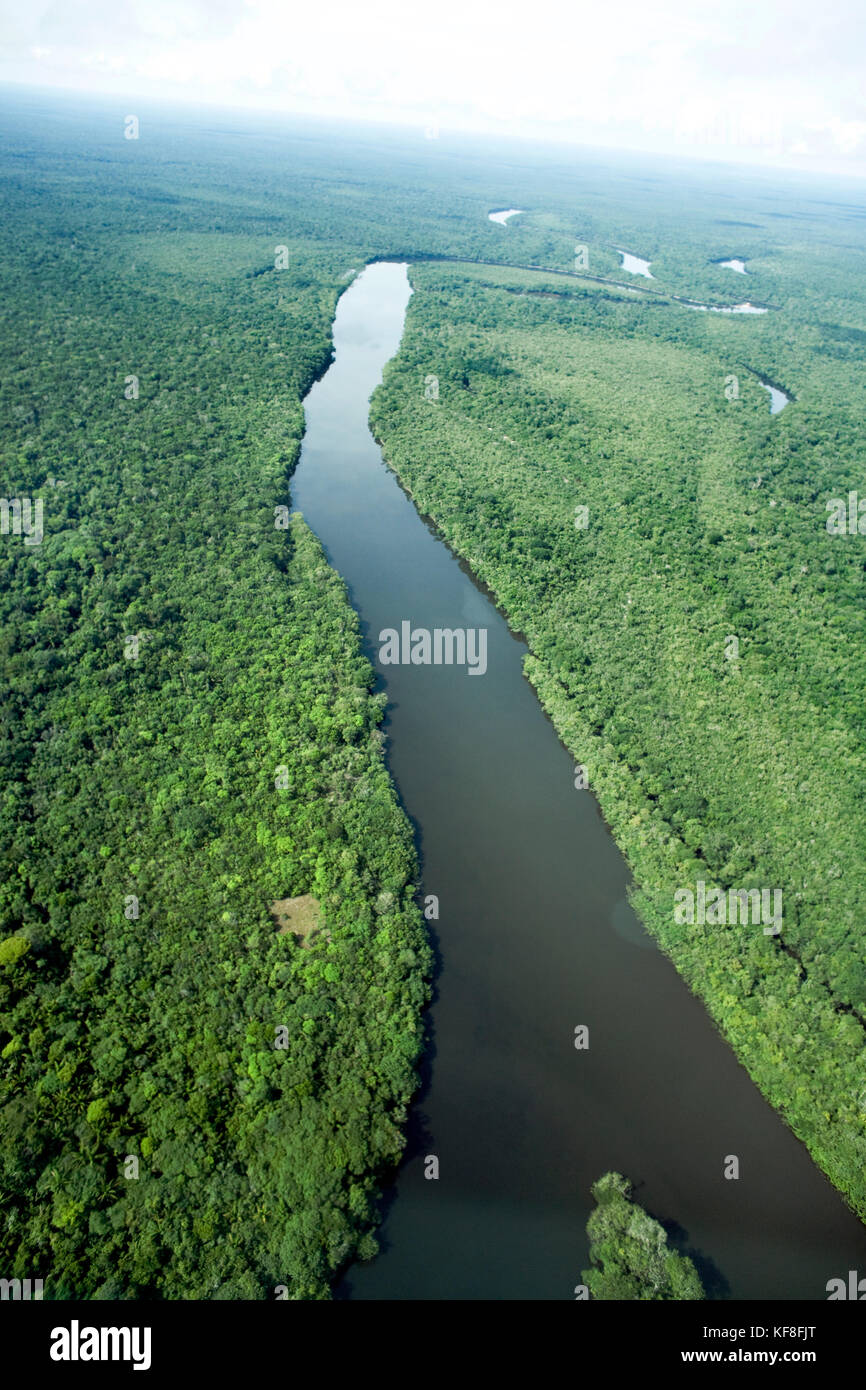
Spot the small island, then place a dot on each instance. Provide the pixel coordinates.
(630, 1255)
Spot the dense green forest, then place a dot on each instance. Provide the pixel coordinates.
(629, 1251)
(191, 731)
(193, 1104)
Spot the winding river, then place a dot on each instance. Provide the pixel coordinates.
(535, 937)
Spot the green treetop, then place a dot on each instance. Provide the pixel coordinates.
(629, 1250)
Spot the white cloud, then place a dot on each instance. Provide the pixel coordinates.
(727, 76)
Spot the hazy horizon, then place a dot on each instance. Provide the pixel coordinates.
(265, 121)
(777, 87)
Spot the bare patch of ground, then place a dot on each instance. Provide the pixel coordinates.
(300, 916)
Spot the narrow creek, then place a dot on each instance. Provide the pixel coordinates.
(535, 936)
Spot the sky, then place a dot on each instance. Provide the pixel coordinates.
(776, 82)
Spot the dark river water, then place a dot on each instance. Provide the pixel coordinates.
(534, 938)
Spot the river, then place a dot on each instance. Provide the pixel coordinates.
(778, 398)
(635, 265)
(746, 308)
(535, 937)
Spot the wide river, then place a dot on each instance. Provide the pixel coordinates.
(535, 937)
